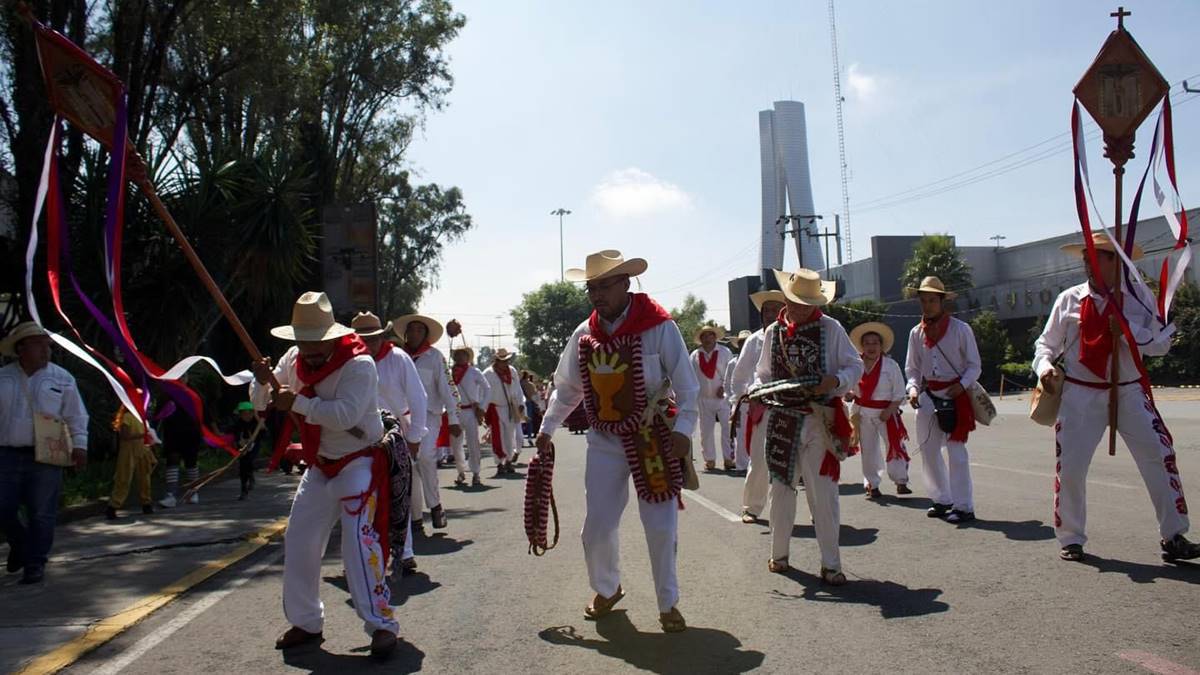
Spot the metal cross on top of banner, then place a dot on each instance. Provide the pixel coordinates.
(1119, 90)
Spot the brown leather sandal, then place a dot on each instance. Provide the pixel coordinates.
(672, 621)
(602, 606)
(832, 577)
(778, 566)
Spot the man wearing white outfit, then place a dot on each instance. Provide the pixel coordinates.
(400, 393)
(808, 430)
(741, 453)
(618, 363)
(709, 361)
(330, 387)
(1083, 330)
(753, 432)
(473, 395)
(942, 364)
(505, 405)
(420, 333)
(875, 410)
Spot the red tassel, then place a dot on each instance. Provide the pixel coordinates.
(830, 466)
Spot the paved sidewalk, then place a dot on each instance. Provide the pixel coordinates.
(99, 567)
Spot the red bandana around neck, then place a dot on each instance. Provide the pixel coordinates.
(793, 327)
(384, 350)
(504, 375)
(1095, 339)
(414, 353)
(643, 314)
(870, 380)
(935, 330)
(708, 365)
(459, 371)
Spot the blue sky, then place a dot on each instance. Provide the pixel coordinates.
(641, 118)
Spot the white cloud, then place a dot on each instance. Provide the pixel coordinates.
(863, 87)
(635, 193)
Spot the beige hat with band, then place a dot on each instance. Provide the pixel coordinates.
(312, 321)
(605, 264)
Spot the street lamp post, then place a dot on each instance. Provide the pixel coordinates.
(795, 219)
(560, 212)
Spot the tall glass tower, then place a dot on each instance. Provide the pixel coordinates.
(786, 184)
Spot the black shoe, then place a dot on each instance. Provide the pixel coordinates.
(408, 566)
(439, 517)
(1179, 548)
(903, 489)
(110, 513)
(873, 493)
(383, 643)
(500, 472)
(939, 510)
(33, 575)
(16, 558)
(959, 517)
(1072, 553)
(419, 527)
(147, 509)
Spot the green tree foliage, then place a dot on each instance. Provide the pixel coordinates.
(993, 343)
(689, 317)
(936, 255)
(545, 320)
(855, 312)
(1182, 364)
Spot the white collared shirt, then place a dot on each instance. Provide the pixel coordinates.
(474, 389)
(1060, 337)
(727, 381)
(841, 358)
(664, 355)
(401, 391)
(891, 385)
(745, 373)
(440, 390)
(347, 398)
(54, 392)
(955, 358)
(710, 387)
(504, 396)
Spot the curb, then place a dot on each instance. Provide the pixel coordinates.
(110, 627)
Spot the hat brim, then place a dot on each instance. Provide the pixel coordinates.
(28, 329)
(818, 300)
(715, 330)
(506, 358)
(435, 329)
(763, 297)
(290, 333)
(470, 353)
(1080, 250)
(885, 333)
(949, 295)
(374, 332)
(632, 267)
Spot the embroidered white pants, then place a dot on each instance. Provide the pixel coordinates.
(470, 432)
(874, 446)
(821, 493)
(944, 486)
(317, 507)
(714, 412)
(606, 490)
(1082, 425)
(758, 479)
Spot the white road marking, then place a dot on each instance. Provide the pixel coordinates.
(712, 506)
(1049, 475)
(185, 617)
(1156, 664)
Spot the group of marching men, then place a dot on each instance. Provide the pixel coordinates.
(804, 393)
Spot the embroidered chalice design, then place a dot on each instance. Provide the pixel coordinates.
(608, 376)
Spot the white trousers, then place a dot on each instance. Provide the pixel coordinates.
(714, 411)
(470, 432)
(754, 490)
(408, 549)
(944, 486)
(317, 507)
(1082, 424)
(425, 470)
(509, 433)
(822, 495)
(606, 490)
(873, 441)
(741, 456)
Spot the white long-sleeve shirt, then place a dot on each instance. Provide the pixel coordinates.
(347, 398)
(506, 397)
(727, 381)
(955, 358)
(744, 371)
(1060, 337)
(891, 386)
(474, 389)
(400, 391)
(441, 393)
(664, 355)
(710, 387)
(54, 392)
(841, 358)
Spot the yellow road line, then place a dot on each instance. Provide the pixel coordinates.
(109, 627)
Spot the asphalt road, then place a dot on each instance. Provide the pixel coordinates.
(924, 596)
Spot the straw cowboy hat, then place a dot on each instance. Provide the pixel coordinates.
(739, 338)
(503, 354)
(470, 353)
(763, 297)
(312, 321)
(25, 329)
(367, 325)
(709, 328)
(881, 329)
(1102, 243)
(435, 329)
(609, 263)
(933, 285)
(805, 287)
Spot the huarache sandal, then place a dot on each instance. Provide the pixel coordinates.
(1072, 552)
(672, 621)
(778, 565)
(602, 606)
(832, 577)
(748, 518)
(903, 489)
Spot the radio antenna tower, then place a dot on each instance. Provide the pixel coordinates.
(838, 100)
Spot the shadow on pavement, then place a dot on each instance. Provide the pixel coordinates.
(695, 650)
(893, 600)
(417, 583)
(848, 536)
(1140, 573)
(1024, 530)
(455, 514)
(439, 544)
(406, 659)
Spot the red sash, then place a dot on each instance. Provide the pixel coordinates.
(964, 413)
(492, 419)
(830, 465)
(896, 432)
(380, 488)
(754, 417)
(1095, 338)
(708, 366)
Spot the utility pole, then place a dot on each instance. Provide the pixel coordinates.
(998, 238)
(560, 212)
(795, 221)
(827, 235)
